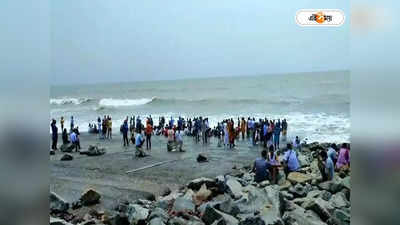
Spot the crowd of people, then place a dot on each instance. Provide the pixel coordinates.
(330, 160)
(266, 133)
(67, 137)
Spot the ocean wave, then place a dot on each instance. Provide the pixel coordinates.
(67, 101)
(111, 102)
(274, 101)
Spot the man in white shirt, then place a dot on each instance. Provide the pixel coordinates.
(179, 140)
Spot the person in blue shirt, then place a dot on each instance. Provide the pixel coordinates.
(138, 144)
(277, 133)
(171, 122)
(54, 134)
(261, 168)
(75, 139)
(124, 130)
(290, 161)
(332, 152)
(326, 166)
(265, 130)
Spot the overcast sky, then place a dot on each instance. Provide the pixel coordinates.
(125, 40)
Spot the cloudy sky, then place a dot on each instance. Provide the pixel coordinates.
(124, 40)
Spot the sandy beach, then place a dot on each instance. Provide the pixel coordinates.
(107, 173)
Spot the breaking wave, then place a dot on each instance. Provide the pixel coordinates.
(111, 102)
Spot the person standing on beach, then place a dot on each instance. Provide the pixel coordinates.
(179, 140)
(248, 127)
(265, 131)
(243, 127)
(138, 125)
(148, 131)
(124, 130)
(62, 123)
(284, 130)
(54, 134)
(109, 127)
(277, 133)
(75, 140)
(99, 126)
(72, 123)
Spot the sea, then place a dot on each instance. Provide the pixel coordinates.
(316, 105)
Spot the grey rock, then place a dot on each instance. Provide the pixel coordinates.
(299, 216)
(57, 204)
(202, 158)
(346, 182)
(137, 214)
(90, 197)
(339, 217)
(211, 215)
(177, 221)
(339, 200)
(56, 221)
(156, 221)
(166, 191)
(298, 191)
(120, 219)
(303, 160)
(314, 194)
(260, 205)
(183, 204)
(94, 150)
(67, 147)
(228, 206)
(346, 193)
(197, 183)
(326, 195)
(234, 187)
(321, 207)
(159, 213)
(67, 157)
(332, 186)
(287, 195)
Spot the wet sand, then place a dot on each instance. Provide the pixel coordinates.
(107, 173)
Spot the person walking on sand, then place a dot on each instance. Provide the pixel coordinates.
(124, 130)
(148, 132)
(54, 134)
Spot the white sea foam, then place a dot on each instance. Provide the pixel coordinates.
(67, 100)
(111, 102)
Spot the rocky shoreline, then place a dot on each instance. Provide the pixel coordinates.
(232, 198)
